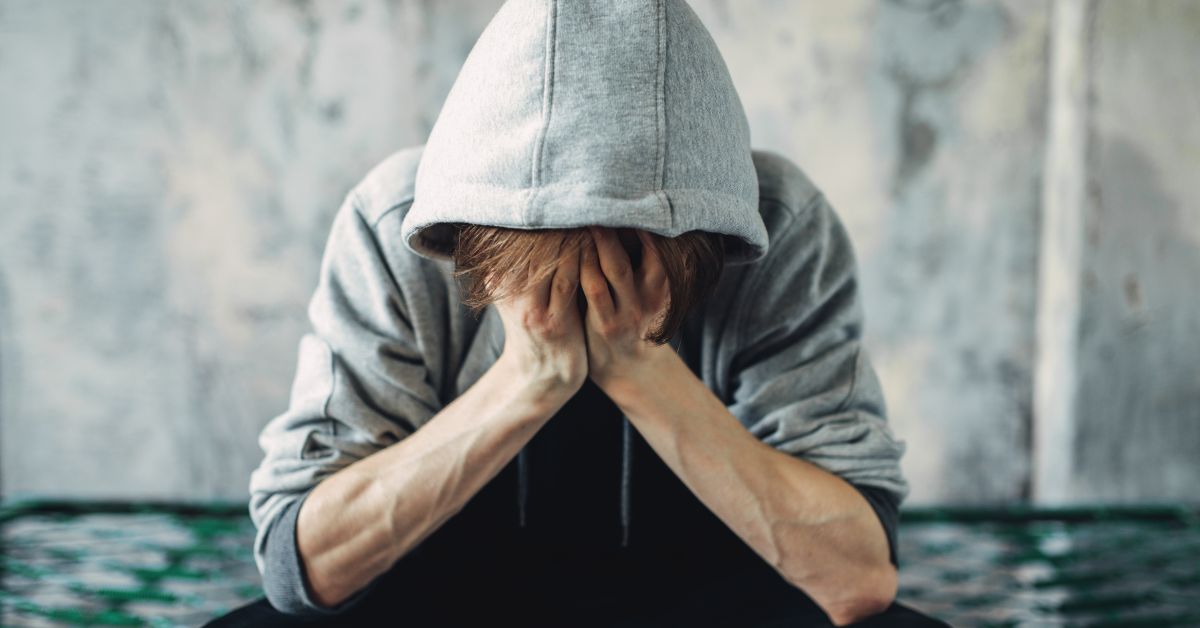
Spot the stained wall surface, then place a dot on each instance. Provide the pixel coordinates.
(1137, 427)
(169, 172)
(168, 175)
(924, 124)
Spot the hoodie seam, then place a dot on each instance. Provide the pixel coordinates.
(853, 379)
(660, 99)
(803, 207)
(752, 287)
(535, 175)
(332, 426)
(373, 229)
(374, 225)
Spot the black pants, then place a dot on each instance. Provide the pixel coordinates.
(754, 599)
(682, 565)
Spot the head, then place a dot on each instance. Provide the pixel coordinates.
(496, 262)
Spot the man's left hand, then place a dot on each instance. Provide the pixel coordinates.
(618, 321)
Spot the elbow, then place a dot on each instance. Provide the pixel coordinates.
(283, 597)
(858, 611)
(293, 595)
(873, 594)
(287, 606)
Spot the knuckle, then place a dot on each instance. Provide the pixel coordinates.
(594, 291)
(564, 286)
(553, 326)
(534, 319)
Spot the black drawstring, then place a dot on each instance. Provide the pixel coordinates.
(626, 475)
(626, 482)
(522, 485)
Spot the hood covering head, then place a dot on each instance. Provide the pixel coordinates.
(618, 113)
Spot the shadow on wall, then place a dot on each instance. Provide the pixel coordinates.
(1138, 331)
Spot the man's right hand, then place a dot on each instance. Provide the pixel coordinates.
(357, 523)
(543, 332)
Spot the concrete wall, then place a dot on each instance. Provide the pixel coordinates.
(1132, 429)
(168, 173)
(925, 127)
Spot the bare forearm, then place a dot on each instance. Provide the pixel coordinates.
(812, 526)
(358, 522)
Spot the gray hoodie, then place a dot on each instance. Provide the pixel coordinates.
(588, 112)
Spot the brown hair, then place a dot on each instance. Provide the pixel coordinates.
(500, 261)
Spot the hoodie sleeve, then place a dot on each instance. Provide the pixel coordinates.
(360, 385)
(801, 379)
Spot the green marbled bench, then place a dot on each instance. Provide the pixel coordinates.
(148, 564)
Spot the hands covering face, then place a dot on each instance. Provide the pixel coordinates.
(554, 337)
(617, 320)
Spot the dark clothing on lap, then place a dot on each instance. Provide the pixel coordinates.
(682, 565)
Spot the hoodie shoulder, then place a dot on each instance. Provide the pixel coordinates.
(781, 183)
(388, 184)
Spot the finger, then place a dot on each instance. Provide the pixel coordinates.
(541, 292)
(618, 270)
(595, 286)
(565, 281)
(654, 275)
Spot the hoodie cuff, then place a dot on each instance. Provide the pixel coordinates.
(886, 508)
(284, 582)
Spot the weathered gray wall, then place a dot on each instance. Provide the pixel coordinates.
(168, 175)
(1136, 431)
(923, 122)
(168, 172)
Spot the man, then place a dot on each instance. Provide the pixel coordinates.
(584, 300)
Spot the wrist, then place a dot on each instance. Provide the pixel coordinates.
(646, 374)
(546, 390)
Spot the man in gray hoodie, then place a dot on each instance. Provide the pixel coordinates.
(437, 467)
